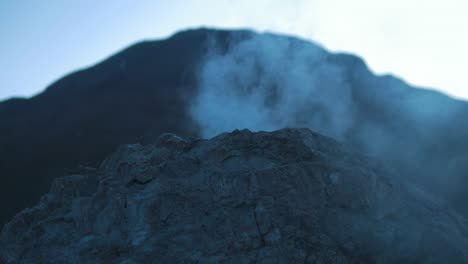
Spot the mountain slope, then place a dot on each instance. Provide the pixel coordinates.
(241, 197)
(82, 118)
(202, 82)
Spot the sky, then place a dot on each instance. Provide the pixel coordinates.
(425, 42)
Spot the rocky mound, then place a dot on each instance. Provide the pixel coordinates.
(289, 196)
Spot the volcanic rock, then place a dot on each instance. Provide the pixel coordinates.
(288, 196)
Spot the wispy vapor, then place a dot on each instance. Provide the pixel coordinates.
(267, 83)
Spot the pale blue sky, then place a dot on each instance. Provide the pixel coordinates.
(424, 42)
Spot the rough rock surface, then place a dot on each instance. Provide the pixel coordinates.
(289, 196)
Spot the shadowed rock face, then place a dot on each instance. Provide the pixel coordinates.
(269, 197)
(149, 88)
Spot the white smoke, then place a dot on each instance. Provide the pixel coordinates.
(267, 83)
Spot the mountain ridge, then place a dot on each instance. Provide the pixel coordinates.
(149, 87)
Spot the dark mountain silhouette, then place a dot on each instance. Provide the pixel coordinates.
(150, 88)
(81, 118)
